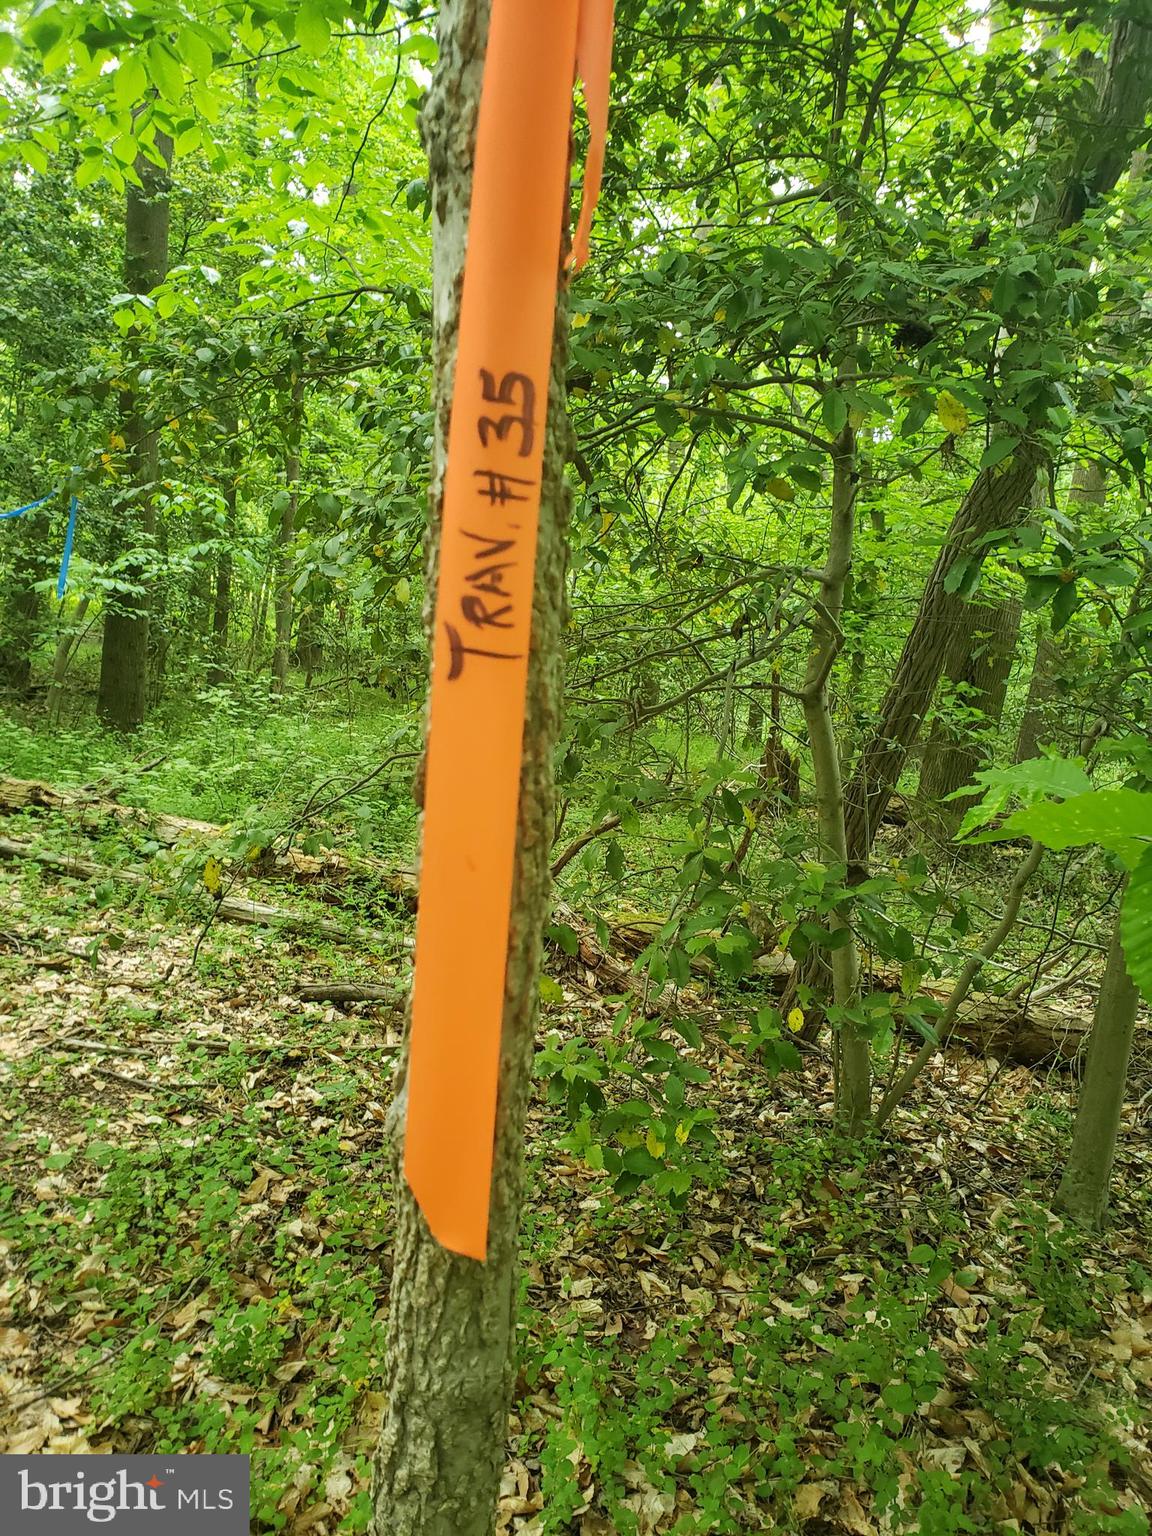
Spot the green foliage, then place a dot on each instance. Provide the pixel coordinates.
(838, 1385)
(817, 240)
(1117, 819)
(1136, 924)
(173, 1224)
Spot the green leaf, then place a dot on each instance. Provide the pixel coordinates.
(1062, 776)
(1039, 590)
(667, 418)
(90, 169)
(130, 82)
(565, 937)
(124, 148)
(164, 71)
(1118, 819)
(998, 450)
(788, 1058)
(196, 52)
(834, 409)
(44, 30)
(1064, 605)
(1030, 780)
(7, 49)
(963, 576)
(1136, 925)
(312, 30)
(639, 1160)
(899, 1397)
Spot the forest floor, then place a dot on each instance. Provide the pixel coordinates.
(194, 1229)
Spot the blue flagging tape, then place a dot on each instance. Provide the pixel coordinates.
(62, 583)
(30, 506)
(66, 558)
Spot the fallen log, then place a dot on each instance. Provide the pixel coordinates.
(1030, 1039)
(617, 976)
(349, 992)
(32, 794)
(233, 909)
(997, 1027)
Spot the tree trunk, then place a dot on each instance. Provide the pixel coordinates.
(1103, 148)
(122, 700)
(259, 621)
(1040, 724)
(999, 494)
(21, 623)
(222, 597)
(66, 645)
(1036, 725)
(954, 753)
(852, 1061)
(938, 642)
(309, 646)
(452, 1320)
(285, 534)
(1083, 1192)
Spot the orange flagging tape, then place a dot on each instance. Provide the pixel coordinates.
(484, 596)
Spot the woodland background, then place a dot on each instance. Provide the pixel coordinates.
(837, 1206)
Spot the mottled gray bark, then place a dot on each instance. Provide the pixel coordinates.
(449, 1369)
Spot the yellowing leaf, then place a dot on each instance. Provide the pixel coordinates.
(683, 1131)
(213, 877)
(402, 591)
(953, 416)
(796, 1020)
(654, 1144)
(550, 991)
(782, 489)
